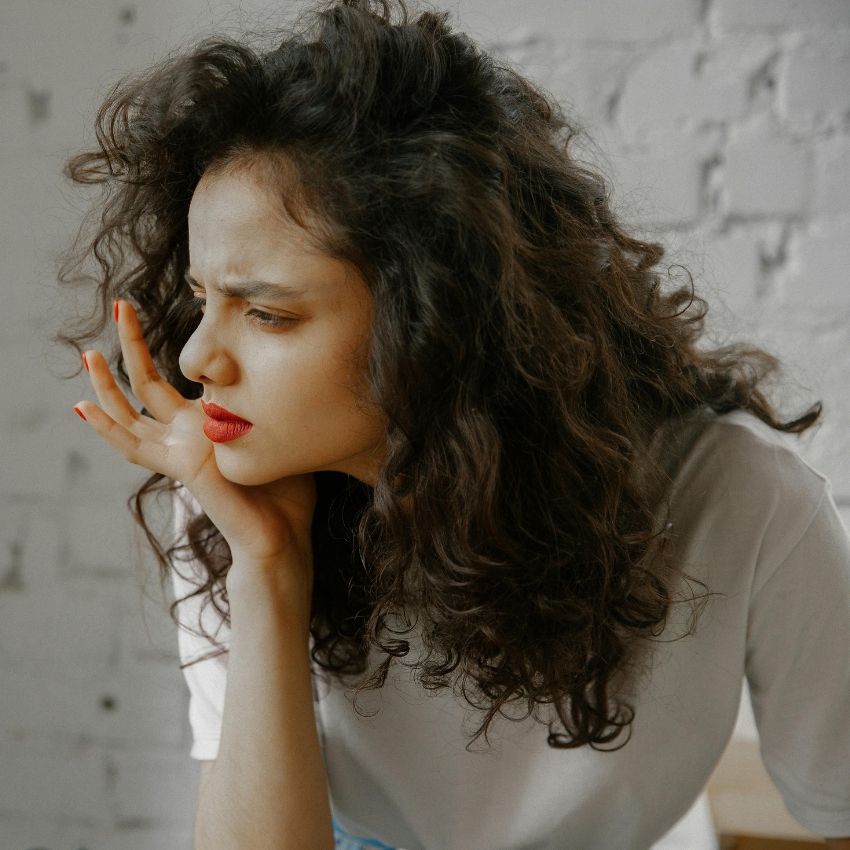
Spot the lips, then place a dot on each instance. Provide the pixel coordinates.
(222, 425)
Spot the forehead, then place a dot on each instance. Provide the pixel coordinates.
(243, 200)
(239, 228)
(240, 233)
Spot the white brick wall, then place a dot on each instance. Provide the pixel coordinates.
(772, 15)
(728, 139)
(766, 178)
(725, 128)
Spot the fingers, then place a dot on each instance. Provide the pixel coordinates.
(157, 395)
(109, 394)
(138, 451)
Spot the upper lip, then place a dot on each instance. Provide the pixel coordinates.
(216, 412)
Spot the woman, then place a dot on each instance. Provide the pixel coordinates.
(477, 542)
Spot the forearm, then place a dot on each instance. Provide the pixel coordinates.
(267, 789)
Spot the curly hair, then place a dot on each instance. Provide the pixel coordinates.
(525, 349)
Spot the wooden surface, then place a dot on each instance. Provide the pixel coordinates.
(750, 842)
(745, 803)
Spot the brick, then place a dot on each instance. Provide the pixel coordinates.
(780, 14)
(25, 833)
(19, 244)
(13, 128)
(666, 90)
(32, 465)
(31, 454)
(155, 789)
(26, 182)
(31, 395)
(659, 184)
(30, 391)
(815, 84)
(14, 530)
(832, 177)
(585, 79)
(64, 631)
(53, 26)
(614, 21)
(100, 538)
(764, 177)
(49, 780)
(149, 707)
(34, 700)
(733, 268)
(819, 273)
(97, 469)
(29, 546)
(136, 706)
(42, 551)
(148, 632)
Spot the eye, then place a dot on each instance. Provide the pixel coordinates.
(269, 319)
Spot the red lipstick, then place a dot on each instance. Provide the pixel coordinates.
(222, 425)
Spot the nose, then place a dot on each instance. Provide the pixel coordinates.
(205, 358)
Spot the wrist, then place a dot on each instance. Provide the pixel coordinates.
(270, 590)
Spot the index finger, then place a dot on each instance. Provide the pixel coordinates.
(155, 393)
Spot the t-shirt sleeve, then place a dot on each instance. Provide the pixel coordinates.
(798, 667)
(207, 678)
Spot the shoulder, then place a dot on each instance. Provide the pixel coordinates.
(737, 479)
(756, 457)
(741, 455)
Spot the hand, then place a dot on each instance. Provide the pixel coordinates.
(264, 525)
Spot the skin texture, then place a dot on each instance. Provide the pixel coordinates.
(288, 363)
(292, 365)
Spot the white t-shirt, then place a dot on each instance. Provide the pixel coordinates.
(759, 527)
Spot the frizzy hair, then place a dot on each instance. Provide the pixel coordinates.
(525, 349)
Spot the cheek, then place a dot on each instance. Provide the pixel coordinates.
(312, 387)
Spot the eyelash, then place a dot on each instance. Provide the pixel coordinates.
(269, 320)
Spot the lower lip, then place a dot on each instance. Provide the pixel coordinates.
(222, 430)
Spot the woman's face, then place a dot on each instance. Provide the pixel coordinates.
(283, 338)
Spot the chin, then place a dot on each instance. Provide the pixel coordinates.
(235, 469)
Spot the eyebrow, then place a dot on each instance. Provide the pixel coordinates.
(254, 289)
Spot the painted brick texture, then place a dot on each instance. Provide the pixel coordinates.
(724, 127)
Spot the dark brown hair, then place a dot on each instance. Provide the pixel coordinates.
(525, 349)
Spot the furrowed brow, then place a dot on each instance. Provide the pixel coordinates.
(254, 289)
(258, 289)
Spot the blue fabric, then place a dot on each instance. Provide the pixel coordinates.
(344, 841)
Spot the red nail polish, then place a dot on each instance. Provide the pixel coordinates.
(85, 362)
(80, 413)
(115, 309)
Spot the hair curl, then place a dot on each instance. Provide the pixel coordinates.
(523, 349)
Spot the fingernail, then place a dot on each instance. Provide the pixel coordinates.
(80, 413)
(85, 362)
(115, 308)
